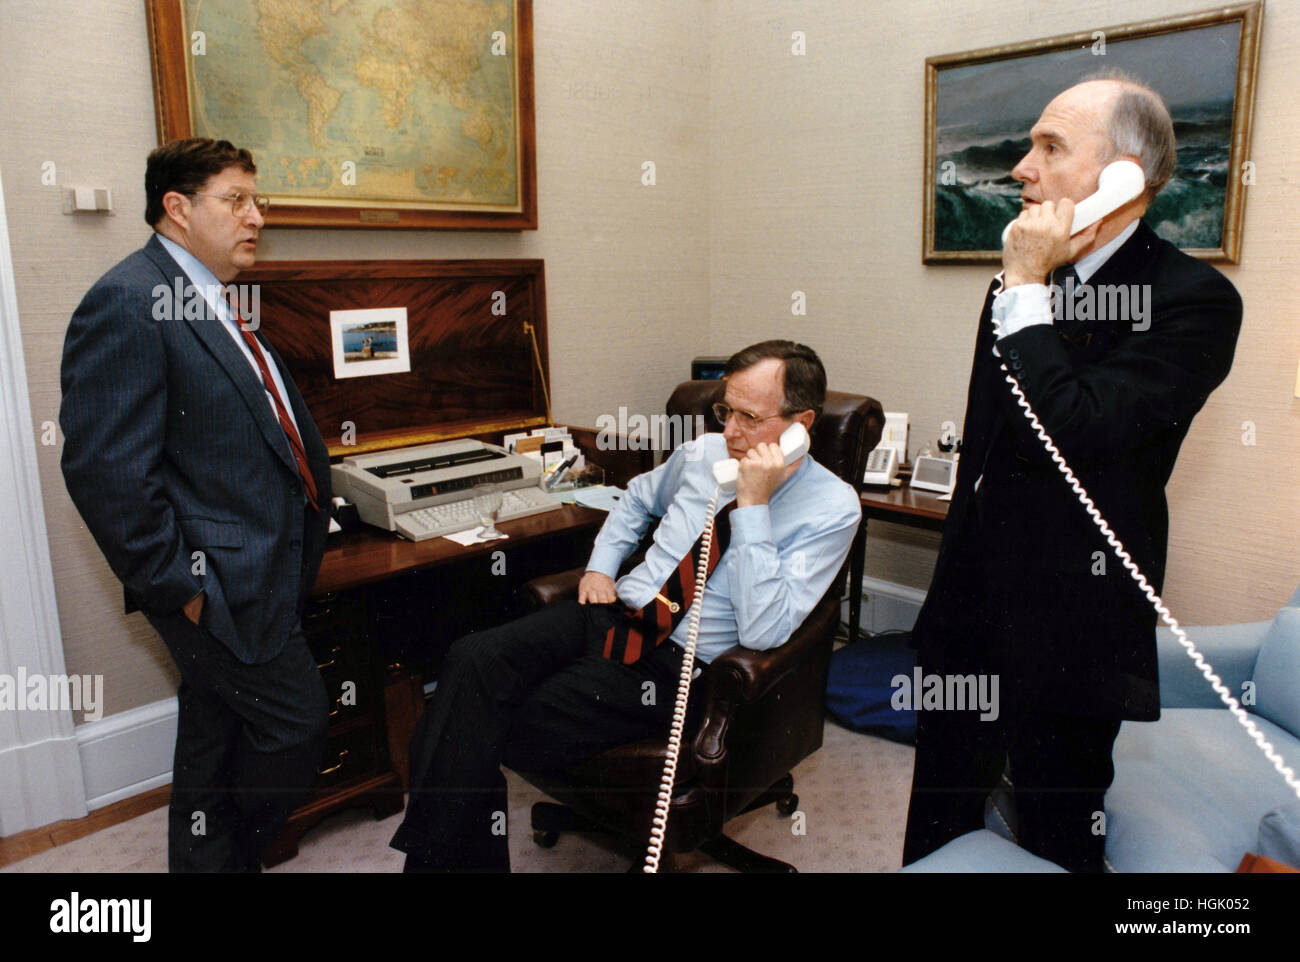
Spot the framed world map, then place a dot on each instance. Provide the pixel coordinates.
(360, 113)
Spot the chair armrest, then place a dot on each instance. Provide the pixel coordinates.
(549, 589)
(781, 694)
(745, 674)
(1231, 649)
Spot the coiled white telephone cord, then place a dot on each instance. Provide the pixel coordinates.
(665, 799)
(1206, 669)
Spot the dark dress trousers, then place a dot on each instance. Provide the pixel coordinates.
(185, 478)
(1025, 586)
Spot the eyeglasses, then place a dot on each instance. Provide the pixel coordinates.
(744, 420)
(241, 203)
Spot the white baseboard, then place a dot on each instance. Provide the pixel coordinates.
(887, 606)
(127, 753)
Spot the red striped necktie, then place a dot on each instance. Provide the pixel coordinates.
(282, 413)
(646, 628)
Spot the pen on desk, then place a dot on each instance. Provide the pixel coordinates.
(559, 471)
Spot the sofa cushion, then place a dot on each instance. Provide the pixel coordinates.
(1279, 835)
(1190, 790)
(981, 851)
(1277, 672)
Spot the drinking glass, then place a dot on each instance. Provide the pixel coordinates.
(487, 502)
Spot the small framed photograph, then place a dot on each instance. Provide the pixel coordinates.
(369, 342)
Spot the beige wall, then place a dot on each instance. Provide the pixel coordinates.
(816, 185)
(775, 174)
(626, 265)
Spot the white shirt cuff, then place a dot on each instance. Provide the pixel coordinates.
(1019, 307)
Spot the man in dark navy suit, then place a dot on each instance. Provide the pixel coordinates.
(1025, 587)
(199, 471)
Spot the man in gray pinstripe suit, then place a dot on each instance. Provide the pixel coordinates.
(199, 471)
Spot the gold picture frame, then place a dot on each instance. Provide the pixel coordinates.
(969, 153)
(173, 47)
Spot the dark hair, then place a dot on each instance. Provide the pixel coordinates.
(805, 378)
(1140, 125)
(185, 166)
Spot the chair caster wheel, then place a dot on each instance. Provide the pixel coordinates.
(788, 805)
(546, 839)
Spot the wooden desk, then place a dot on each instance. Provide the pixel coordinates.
(370, 555)
(376, 593)
(917, 509)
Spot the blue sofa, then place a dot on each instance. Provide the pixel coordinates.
(1192, 792)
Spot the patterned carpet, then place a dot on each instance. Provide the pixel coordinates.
(852, 795)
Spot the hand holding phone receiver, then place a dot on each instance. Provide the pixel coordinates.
(1117, 184)
(794, 445)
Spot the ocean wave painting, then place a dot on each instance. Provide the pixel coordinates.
(970, 214)
(984, 112)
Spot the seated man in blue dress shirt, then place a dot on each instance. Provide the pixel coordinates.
(550, 689)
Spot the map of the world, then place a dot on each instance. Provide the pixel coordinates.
(406, 102)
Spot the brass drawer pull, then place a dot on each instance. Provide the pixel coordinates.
(334, 768)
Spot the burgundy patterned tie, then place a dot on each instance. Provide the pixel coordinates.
(626, 641)
(286, 422)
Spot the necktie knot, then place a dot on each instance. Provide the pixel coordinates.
(1065, 277)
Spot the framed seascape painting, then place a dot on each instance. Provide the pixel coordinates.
(980, 106)
(370, 113)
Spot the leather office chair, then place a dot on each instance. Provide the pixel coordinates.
(764, 710)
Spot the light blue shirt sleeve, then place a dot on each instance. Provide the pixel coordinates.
(776, 583)
(646, 500)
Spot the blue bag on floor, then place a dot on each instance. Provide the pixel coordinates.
(858, 689)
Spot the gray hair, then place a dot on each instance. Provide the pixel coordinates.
(1140, 126)
(804, 376)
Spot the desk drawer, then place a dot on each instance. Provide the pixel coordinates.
(349, 754)
(334, 619)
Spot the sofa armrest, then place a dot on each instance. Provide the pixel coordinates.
(1231, 649)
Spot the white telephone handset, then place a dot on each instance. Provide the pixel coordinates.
(1117, 184)
(794, 445)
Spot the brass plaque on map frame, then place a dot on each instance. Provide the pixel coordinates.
(370, 113)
